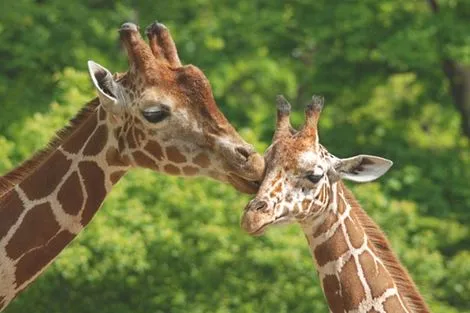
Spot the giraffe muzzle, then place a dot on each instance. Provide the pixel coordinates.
(256, 217)
(248, 163)
(245, 167)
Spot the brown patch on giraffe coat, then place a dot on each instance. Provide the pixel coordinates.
(155, 149)
(117, 132)
(125, 128)
(101, 113)
(341, 206)
(71, 195)
(116, 176)
(190, 170)
(143, 160)
(356, 234)
(172, 170)
(392, 304)
(130, 139)
(351, 286)
(95, 190)
(325, 195)
(278, 187)
(11, 207)
(174, 155)
(77, 139)
(37, 228)
(113, 158)
(49, 174)
(202, 160)
(139, 136)
(330, 219)
(331, 249)
(296, 209)
(372, 311)
(35, 260)
(136, 138)
(331, 288)
(305, 204)
(126, 159)
(276, 190)
(121, 144)
(96, 143)
(377, 277)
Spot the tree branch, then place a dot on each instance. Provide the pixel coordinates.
(434, 5)
(459, 79)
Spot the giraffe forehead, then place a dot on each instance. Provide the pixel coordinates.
(151, 96)
(308, 159)
(153, 84)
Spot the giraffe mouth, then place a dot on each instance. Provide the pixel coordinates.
(242, 184)
(278, 221)
(259, 231)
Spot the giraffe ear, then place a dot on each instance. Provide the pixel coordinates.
(105, 86)
(362, 168)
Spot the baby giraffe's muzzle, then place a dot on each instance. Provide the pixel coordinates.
(256, 217)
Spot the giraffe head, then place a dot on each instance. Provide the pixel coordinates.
(300, 173)
(164, 116)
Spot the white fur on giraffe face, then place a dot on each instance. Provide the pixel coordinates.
(312, 161)
(307, 159)
(318, 170)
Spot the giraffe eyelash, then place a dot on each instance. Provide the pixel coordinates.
(314, 178)
(156, 114)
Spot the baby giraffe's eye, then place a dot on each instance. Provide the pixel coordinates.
(155, 114)
(314, 178)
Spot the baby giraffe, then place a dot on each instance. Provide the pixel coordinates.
(358, 270)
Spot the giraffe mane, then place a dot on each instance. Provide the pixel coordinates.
(405, 285)
(18, 174)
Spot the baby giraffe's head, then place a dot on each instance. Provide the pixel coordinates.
(300, 173)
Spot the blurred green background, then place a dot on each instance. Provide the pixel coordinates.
(396, 78)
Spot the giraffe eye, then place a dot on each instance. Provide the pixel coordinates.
(314, 178)
(155, 114)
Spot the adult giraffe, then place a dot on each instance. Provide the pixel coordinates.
(358, 270)
(159, 115)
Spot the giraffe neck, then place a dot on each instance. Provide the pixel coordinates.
(358, 270)
(53, 197)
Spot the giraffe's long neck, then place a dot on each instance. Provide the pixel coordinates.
(358, 270)
(43, 211)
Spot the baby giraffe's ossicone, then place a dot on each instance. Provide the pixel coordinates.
(358, 270)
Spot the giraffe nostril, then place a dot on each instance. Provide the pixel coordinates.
(244, 152)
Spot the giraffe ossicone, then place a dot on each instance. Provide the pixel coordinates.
(159, 115)
(303, 184)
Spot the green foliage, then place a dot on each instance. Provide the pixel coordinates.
(163, 244)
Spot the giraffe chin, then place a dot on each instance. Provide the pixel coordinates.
(254, 224)
(254, 227)
(243, 185)
(259, 232)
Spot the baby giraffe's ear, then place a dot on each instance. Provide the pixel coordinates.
(362, 168)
